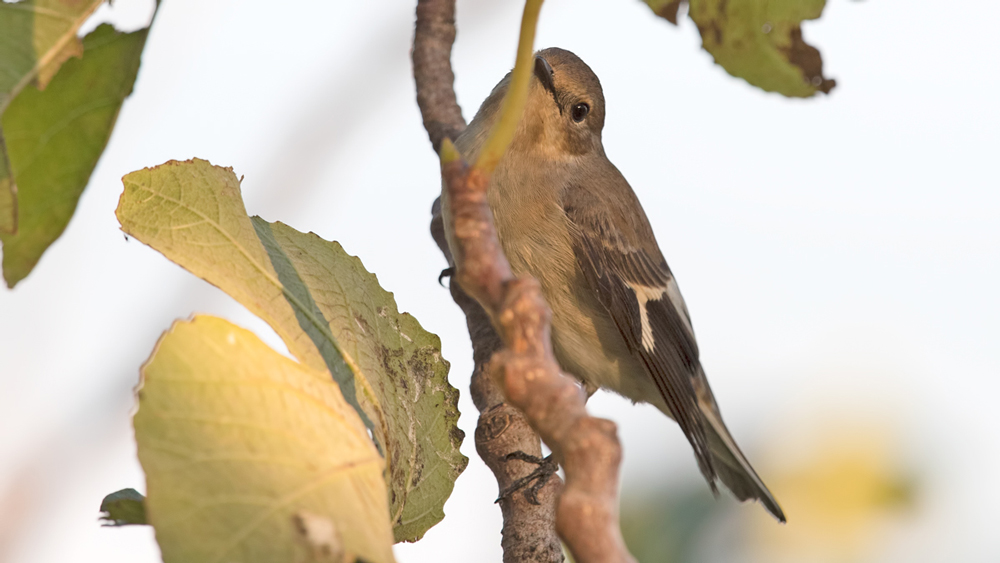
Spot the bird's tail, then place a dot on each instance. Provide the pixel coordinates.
(728, 461)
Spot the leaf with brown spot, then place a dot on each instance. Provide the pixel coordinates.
(760, 42)
(403, 367)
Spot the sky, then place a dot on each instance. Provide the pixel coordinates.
(838, 255)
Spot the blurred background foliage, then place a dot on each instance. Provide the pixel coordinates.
(845, 487)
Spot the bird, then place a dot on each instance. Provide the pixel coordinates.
(566, 215)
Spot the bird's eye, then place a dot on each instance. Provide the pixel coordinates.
(580, 112)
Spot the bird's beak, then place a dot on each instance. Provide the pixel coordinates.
(543, 70)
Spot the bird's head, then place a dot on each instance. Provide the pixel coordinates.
(563, 117)
(565, 110)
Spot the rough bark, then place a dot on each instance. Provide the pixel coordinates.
(432, 41)
(529, 532)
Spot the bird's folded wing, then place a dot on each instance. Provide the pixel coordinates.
(642, 298)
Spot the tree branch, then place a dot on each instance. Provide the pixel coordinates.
(586, 512)
(553, 403)
(529, 533)
(530, 380)
(432, 41)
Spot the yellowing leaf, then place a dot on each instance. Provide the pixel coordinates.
(54, 139)
(758, 41)
(193, 213)
(330, 312)
(238, 442)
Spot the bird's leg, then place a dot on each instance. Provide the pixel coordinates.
(446, 273)
(589, 389)
(547, 467)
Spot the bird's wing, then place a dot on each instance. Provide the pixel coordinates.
(623, 266)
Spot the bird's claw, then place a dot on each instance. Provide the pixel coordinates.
(446, 273)
(533, 482)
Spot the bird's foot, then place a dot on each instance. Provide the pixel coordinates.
(446, 273)
(533, 482)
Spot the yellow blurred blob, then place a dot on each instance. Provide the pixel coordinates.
(841, 491)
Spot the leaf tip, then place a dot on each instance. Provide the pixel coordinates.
(449, 153)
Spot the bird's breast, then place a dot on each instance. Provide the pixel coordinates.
(537, 239)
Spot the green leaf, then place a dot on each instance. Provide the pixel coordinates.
(124, 507)
(54, 138)
(8, 193)
(240, 444)
(36, 37)
(760, 42)
(330, 312)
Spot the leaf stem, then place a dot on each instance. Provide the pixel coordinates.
(517, 95)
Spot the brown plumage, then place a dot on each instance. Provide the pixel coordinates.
(567, 216)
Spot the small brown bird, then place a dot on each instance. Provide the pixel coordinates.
(567, 216)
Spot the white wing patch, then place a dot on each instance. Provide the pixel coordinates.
(644, 294)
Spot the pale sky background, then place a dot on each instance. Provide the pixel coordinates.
(839, 255)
